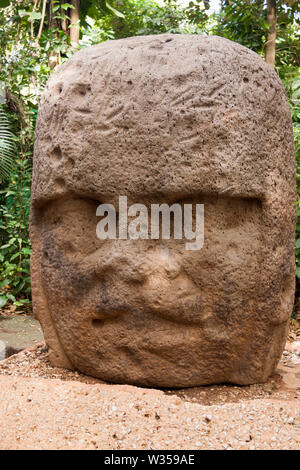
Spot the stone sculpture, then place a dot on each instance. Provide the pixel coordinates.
(165, 119)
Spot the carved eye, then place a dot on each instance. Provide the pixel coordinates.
(71, 224)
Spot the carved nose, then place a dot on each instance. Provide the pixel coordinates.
(123, 264)
(163, 264)
(167, 283)
(134, 266)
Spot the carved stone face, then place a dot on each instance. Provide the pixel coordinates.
(165, 119)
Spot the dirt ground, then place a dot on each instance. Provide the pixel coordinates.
(42, 407)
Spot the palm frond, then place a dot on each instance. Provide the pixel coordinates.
(7, 147)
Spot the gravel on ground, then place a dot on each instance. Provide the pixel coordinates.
(42, 407)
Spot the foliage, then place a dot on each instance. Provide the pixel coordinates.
(14, 238)
(291, 81)
(24, 68)
(147, 17)
(245, 21)
(7, 147)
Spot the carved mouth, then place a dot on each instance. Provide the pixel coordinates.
(189, 312)
(188, 309)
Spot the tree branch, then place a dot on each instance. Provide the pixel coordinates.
(42, 22)
(271, 39)
(74, 18)
(31, 22)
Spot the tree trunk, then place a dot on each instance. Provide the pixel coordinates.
(74, 18)
(53, 24)
(270, 44)
(41, 22)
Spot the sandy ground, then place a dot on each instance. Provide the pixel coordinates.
(42, 407)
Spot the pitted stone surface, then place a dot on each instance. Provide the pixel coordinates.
(163, 119)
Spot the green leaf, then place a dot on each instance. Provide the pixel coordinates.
(4, 283)
(16, 255)
(65, 6)
(26, 251)
(4, 3)
(3, 301)
(116, 12)
(19, 303)
(22, 13)
(7, 147)
(11, 297)
(35, 15)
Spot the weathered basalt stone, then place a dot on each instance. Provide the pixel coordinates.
(163, 119)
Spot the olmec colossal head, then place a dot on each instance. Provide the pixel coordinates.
(165, 119)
